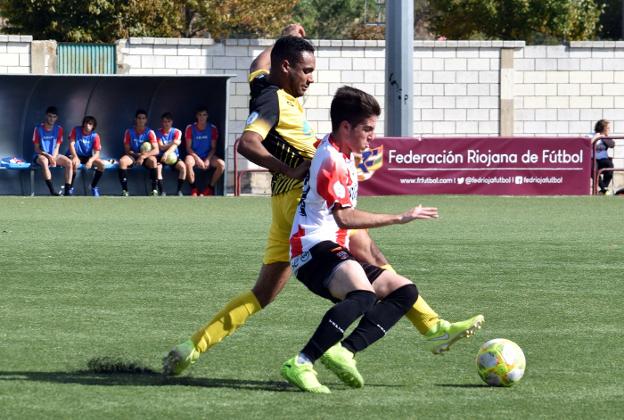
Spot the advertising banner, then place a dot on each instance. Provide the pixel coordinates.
(482, 165)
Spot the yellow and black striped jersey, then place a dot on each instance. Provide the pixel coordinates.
(279, 118)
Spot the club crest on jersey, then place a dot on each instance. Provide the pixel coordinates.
(252, 117)
(342, 255)
(307, 129)
(300, 260)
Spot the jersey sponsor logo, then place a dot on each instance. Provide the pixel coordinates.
(304, 195)
(353, 193)
(297, 262)
(252, 117)
(339, 190)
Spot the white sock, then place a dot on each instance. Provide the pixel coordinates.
(303, 358)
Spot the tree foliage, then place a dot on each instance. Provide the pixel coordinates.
(530, 20)
(340, 19)
(108, 20)
(158, 18)
(63, 20)
(329, 19)
(245, 18)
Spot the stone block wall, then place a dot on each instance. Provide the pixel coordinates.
(461, 88)
(15, 54)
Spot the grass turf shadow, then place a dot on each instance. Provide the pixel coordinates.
(86, 377)
(463, 385)
(114, 371)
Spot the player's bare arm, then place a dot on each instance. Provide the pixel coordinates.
(129, 151)
(351, 218)
(90, 161)
(72, 152)
(211, 153)
(250, 146)
(39, 151)
(54, 156)
(155, 150)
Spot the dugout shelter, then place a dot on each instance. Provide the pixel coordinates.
(113, 101)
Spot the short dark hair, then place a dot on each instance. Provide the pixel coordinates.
(600, 126)
(167, 115)
(290, 48)
(89, 119)
(352, 105)
(139, 112)
(52, 110)
(200, 108)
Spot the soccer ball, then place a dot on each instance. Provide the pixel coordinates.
(171, 159)
(146, 146)
(500, 362)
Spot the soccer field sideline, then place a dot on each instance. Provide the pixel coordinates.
(87, 278)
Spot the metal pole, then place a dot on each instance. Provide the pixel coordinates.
(622, 21)
(399, 68)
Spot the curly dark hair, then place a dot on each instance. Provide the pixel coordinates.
(290, 48)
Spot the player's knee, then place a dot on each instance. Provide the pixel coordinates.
(363, 299)
(354, 305)
(404, 297)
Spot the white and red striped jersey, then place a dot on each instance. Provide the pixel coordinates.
(331, 181)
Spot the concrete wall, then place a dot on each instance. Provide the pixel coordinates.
(460, 87)
(15, 54)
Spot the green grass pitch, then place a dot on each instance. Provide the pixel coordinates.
(85, 278)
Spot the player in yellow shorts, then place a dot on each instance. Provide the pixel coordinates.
(278, 137)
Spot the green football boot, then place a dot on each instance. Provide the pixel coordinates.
(303, 376)
(340, 361)
(179, 358)
(445, 334)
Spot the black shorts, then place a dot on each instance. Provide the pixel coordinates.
(324, 257)
(83, 159)
(134, 162)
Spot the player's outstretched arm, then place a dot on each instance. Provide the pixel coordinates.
(351, 218)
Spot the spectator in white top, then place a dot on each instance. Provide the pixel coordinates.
(603, 143)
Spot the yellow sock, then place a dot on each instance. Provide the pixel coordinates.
(422, 316)
(228, 320)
